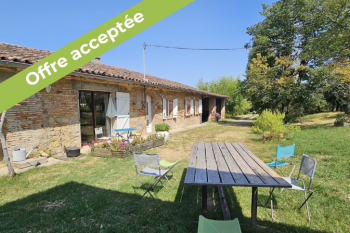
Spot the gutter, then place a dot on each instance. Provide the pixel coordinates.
(75, 73)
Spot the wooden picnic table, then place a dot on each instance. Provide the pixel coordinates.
(229, 164)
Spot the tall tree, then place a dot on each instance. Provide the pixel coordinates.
(312, 33)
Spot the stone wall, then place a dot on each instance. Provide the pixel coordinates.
(43, 117)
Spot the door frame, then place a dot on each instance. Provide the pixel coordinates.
(93, 110)
(149, 127)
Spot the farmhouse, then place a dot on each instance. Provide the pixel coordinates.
(76, 104)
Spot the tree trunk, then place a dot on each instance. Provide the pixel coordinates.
(4, 146)
(347, 106)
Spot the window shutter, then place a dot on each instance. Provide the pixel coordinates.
(175, 108)
(200, 106)
(164, 108)
(123, 110)
(191, 106)
(185, 106)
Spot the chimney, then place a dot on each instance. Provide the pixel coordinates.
(98, 60)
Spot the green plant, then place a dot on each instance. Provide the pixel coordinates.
(162, 127)
(271, 124)
(155, 136)
(340, 119)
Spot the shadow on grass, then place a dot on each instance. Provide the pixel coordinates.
(77, 207)
(242, 123)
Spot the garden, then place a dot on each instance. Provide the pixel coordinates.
(96, 194)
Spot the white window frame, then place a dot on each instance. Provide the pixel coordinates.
(166, 108)
(192, 107)
(175, 108)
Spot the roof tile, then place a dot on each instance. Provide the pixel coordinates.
(30, 56)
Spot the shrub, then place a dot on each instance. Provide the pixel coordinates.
(162, 127)
(271, 124)
(340, 119)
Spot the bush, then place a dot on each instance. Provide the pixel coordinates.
(271, 124)
(162, 127)
(340, 119)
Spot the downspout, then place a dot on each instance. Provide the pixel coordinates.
(144, 96)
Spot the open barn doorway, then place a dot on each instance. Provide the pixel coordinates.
(205, 112)
(218, 106)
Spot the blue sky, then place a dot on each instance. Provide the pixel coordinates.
(50, 25)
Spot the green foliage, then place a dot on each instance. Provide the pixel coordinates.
(340, 119)
(229, 86)
(314, 35)
(271, 124)
(162, 127)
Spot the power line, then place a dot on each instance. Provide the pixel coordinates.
(225, 49)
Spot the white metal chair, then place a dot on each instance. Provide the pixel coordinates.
(148, 161)
(100, 131)
(308, 166)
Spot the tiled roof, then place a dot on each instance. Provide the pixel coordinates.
(30, 56)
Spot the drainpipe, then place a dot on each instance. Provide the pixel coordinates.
(144, 96)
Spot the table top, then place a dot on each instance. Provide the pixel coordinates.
(229, 164)
(126, 129)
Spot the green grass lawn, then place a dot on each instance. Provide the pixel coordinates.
(91, 194)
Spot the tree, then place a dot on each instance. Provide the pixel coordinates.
(314, 35)
(229, 86)
(341, 72)
(4, 146)
(273, 85)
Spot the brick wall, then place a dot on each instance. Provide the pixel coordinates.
(41, 118)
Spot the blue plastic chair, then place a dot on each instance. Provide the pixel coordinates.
(283, 152)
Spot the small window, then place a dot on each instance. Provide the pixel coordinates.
(188, 106)
(166, 107)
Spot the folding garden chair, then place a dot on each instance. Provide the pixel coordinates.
(166, 164)
(150, 160)
(218, 226)
(283, 152)
(308, 166)
(100, 131)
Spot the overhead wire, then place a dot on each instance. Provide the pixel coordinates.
(208, 49)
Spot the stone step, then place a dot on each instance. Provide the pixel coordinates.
(30, 162)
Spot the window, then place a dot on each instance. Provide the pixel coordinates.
(196, 110)
(175, 108)
(192, 106)
(166, 107)
(188, 106)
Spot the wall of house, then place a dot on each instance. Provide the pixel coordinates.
(138, 110)
(43, 117)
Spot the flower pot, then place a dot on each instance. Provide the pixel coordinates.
(164, 134)
(121, 153)
(158, 142)
(101, 152)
